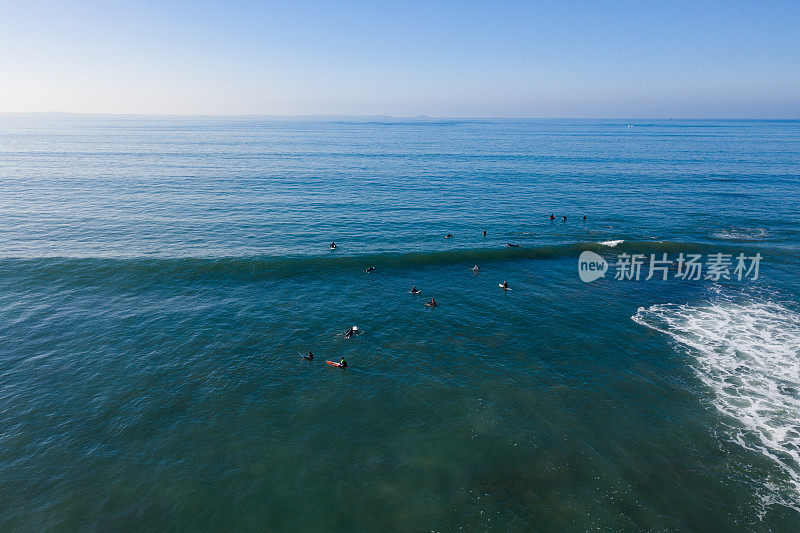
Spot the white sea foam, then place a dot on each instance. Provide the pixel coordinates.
(747, 234)
(749, 356)
(612, 243)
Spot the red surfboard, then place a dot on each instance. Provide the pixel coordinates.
(334, 364)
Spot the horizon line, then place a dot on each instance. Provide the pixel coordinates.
(420, 117)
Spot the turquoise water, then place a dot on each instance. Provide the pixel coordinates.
(160, 277)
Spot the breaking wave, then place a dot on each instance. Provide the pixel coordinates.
(749, 356)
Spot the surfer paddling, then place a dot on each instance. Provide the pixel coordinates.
(341, 364)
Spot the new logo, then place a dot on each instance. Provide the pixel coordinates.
(591, 266)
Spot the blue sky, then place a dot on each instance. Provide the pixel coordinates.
(468, 59)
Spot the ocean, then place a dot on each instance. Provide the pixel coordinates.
(161, 277)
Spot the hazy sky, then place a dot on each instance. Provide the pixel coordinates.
(517, 59)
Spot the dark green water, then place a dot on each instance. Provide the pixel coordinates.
(159, 279)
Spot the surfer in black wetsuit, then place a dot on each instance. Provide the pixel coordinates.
(505, 285)
(584, 218)
(415, 290)
(513, 245)
(448, 236)
(484, 233)
(564, 218)
(370, 269)
(333, 246)
(310, 356)
(343, 363)
(432, 303)
(552, 216)
(350, 332)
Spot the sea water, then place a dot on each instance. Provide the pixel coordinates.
(160, 278)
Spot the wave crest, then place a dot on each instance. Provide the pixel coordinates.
(99, 269)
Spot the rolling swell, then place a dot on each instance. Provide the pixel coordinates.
(101, 270)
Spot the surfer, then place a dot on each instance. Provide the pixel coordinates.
(513, 245)
(343, 363)
(475, 268)
(415, 290)
(350, 332)
(505, 285)
(432, 303)
(584, 218)
(310, 356)
(333, 246)
(564, 218)
(370, 269)
(448, 236)
(484, 233)
(552, 216)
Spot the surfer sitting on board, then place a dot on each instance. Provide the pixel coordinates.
(505, 285)
(432, 303)
(333, 246)
(415, 290)
(475, 268)
(310, 356)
